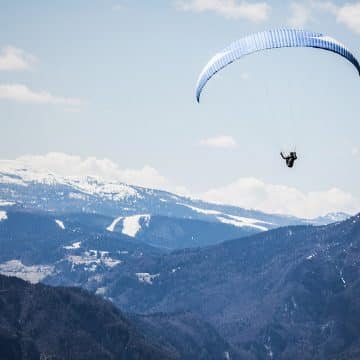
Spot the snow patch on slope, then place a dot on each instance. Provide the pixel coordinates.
(146, 277)
(311, 256)
(201, 211)
(112, 226)
(75, 245)
(77, 196)
(6, 203)
(342, 278)
(101, 291)
(132, 225)
(60, 224)
(3, 215)
(240, 221)
(32, 273)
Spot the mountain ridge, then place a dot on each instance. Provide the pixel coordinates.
(44, 190)
(268, 292)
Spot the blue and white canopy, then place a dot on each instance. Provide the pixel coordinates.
(270, 40)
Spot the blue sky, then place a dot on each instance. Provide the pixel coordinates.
(115, 80)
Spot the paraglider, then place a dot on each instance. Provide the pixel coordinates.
(290, 159)
(266, 40)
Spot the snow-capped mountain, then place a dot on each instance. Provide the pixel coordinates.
(128, 205)
(52, 224)
(113, 240)
(329, 218)
(285, 270)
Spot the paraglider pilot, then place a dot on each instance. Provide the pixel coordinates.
(290, 159)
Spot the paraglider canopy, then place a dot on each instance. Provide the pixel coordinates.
(271, 39)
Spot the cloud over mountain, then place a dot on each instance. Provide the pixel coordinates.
(273, 198)
(245, 192)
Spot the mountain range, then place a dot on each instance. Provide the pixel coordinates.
(196, 280)
(287, 293)
(160, 218)
(262, 296)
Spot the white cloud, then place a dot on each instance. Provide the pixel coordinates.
(355, 151)
(222, 141)
(300, 15)
(347, 14)
(324, 5)
(254, 193)
(146, 176)
(256, 12)
(12, 58)
(71, 165)
(21, 93)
